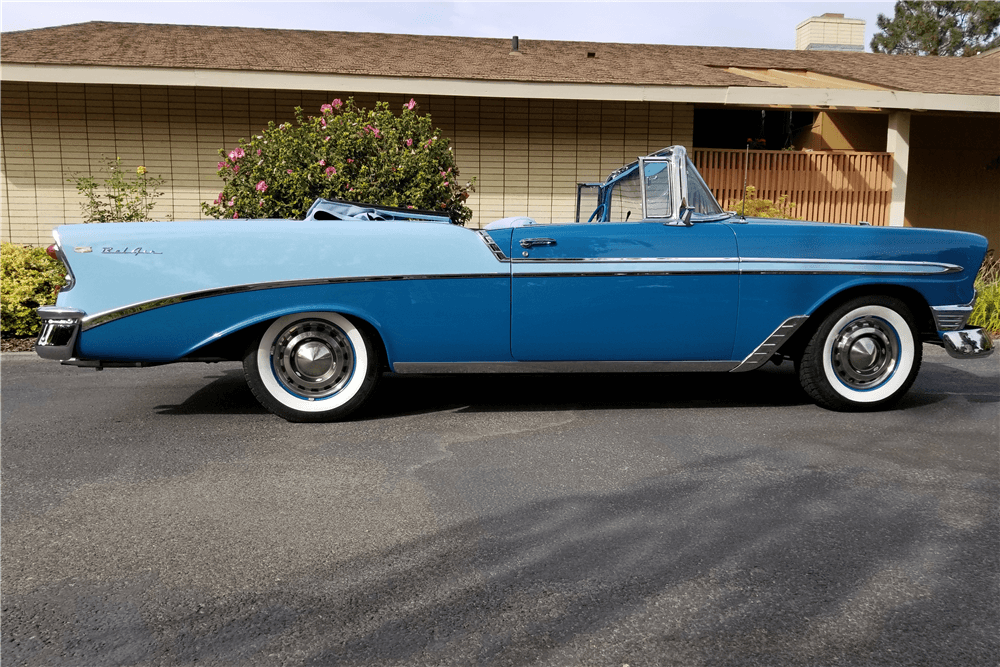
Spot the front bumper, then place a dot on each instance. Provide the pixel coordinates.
(968, 343)
(60, 329)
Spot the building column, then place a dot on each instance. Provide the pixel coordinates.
(898, 143)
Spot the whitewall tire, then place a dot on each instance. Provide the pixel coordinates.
(864, 356)
(311, 367)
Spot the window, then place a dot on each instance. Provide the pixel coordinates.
(700, 198)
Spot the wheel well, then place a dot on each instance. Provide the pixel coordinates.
(232, 346)
(912, 298)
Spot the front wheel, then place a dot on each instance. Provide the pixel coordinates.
(311, 367)
(864, 356)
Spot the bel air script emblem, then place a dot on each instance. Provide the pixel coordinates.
(129, 251)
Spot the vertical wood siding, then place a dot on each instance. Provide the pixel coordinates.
(825, 187)
(526, 155)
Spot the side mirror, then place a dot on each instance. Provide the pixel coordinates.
(686, 212)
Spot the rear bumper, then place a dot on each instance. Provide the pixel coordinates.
(968, 343)
(60, 329)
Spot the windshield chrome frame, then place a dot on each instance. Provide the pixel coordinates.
(675, 187)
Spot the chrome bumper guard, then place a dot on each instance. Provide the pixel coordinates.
(60, 328)
(968, 343)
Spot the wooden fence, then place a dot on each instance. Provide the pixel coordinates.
(826, 187)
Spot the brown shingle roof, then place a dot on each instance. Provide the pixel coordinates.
(373, 54)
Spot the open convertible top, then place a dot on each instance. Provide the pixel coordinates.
(337, 209)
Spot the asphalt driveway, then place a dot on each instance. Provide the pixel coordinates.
(160, 517)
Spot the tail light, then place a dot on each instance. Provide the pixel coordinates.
(55, 252)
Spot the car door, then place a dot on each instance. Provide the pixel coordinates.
(624, 291)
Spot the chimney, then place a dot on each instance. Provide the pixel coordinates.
(513, 46)
(830, 32)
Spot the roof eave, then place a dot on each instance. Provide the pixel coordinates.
(748, 96)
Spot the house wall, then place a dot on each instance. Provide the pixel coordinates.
(954, 174)
(527, 155)
(845, 132)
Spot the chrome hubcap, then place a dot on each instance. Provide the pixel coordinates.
(865, 353)
(312, 358)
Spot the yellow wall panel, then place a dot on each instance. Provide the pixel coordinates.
(526, 155)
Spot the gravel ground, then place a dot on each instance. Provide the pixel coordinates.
(8, 344)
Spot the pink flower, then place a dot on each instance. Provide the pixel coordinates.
(350, 159)
(412, 103)
(322, 121)
(446, 182)
(231, 202)
(322, 163)
(409, 142)
(261, 204)
(218, 200)
(236, 154)
(337, 103)
(235, 215)
(262, 187)
(236, 168)
(326, 138)
(290, 171)
(326, 108)
(444, 173)
(373, 130)
(222, 165)
(330, 171)
(410, 206)
(258, 151)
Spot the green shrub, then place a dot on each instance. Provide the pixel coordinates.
(123, 198)
(761, 208)
(347, 152)
(986, 312)
(29, 279)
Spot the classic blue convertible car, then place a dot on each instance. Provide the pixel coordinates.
(659, 279)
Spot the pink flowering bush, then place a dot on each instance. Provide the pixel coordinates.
(347, 152)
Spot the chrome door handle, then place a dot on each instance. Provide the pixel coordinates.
(531, 243)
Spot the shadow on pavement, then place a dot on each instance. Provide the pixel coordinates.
(807, 568)
(770, 386)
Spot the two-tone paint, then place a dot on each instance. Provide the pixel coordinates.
(444, 297)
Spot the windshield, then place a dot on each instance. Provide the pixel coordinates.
(626, 199)
(700, 197)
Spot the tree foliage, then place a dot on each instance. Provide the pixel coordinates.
(347, 152)
(938, 28)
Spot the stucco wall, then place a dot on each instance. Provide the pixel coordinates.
(527, 155)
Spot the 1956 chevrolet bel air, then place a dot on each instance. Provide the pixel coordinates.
(659, 279)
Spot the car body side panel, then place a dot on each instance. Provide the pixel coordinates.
(434, 320)
(640, 291)
(778, 281)
(118, 265)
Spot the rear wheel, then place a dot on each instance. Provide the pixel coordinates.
(864, 356)
(311, 367)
